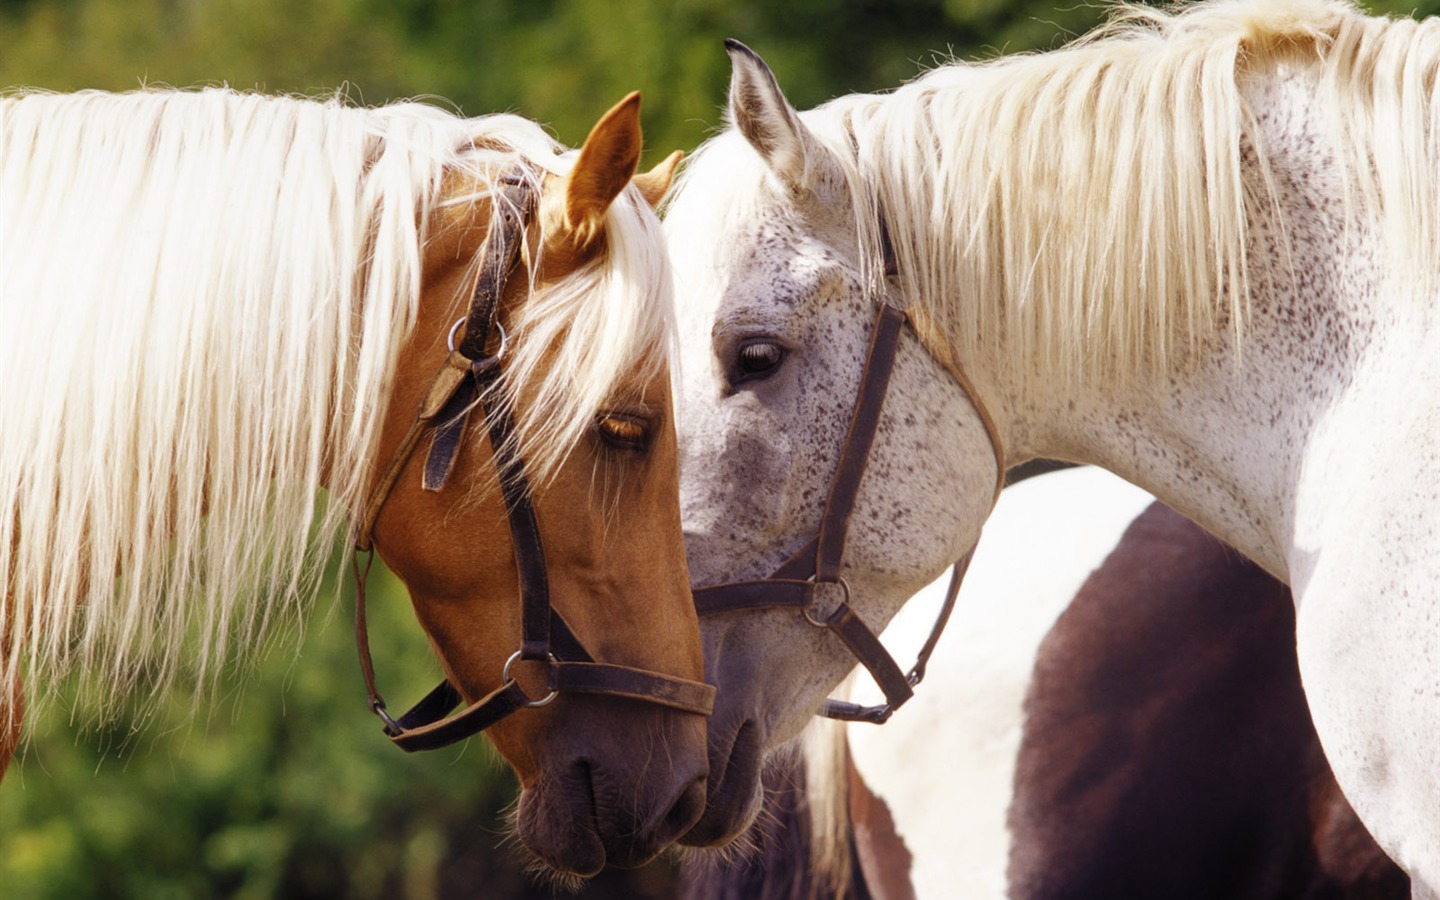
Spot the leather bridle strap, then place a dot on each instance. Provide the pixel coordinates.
(797, 581)
(878, 714)
(545, 636)
(497, 264)
(425, 726)
(468, 381)
(859, 438)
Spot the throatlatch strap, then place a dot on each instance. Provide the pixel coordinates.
(880, 713)
(442, 387)
(412, 732)
(872, 654)
(793, 584)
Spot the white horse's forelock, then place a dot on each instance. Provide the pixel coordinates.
(203, 298)
(1089, 204)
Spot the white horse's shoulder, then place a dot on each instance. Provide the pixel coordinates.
(1368, 625)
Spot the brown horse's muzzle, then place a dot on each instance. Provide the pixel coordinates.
(626, 780)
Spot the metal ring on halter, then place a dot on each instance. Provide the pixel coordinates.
(392, 727)
(450, 340)
(506, 679)
(844, 586)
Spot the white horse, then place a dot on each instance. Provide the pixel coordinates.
(1195, 249)
(1120, 715)
(1117, 712)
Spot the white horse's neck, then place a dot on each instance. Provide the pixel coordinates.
(1239, 440)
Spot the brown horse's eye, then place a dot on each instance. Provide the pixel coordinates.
(625, 432)
(758, 359)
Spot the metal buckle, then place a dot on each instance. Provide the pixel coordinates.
(392, 727)
(844, 601)
(506, 679)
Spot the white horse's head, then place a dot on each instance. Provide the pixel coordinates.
(780, 273)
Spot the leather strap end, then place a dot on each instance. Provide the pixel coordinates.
(433, 707)
(854, 712)
(444, 450)
(455, 370)
(449, 433)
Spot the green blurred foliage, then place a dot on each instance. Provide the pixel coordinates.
(293, 792)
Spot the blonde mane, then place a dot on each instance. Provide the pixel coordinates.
(1099, 193)
(1089, 205)
(203, 298)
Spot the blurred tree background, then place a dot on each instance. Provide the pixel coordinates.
(293, 792)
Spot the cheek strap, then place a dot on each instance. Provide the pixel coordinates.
(797, 582)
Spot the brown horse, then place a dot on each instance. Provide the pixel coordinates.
(1123, 719)
(267, 290)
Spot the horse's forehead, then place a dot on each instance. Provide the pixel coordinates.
(774, 260)
(783, 252)
(750, 252)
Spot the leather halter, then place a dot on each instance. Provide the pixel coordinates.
(467, 381)
(798, 580)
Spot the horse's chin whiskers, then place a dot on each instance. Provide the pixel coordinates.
(557, 881)
(743, 849)
(535, 868)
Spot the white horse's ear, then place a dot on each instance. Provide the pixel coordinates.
(759, 110)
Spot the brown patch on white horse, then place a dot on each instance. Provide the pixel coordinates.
(1168, 751)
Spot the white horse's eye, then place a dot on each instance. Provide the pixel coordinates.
(758, 359)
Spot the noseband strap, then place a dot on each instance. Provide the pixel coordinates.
(816, 568)
(468, 381)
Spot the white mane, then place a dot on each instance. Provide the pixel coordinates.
(1095, 197)
(203, 297)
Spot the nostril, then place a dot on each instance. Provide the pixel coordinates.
(687, 809)
(585, 775)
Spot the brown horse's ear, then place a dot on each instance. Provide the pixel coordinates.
(654, 183)
(607, 163)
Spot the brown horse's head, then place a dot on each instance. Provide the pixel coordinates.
(586, 370)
